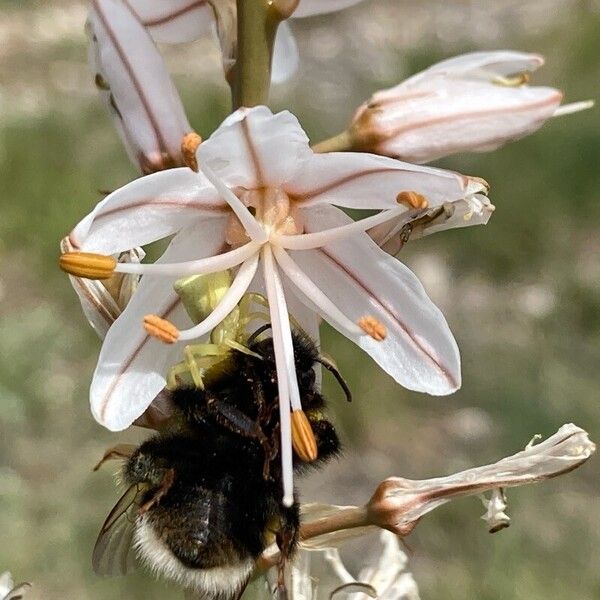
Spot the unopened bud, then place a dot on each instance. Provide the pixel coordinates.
(87, 265)
(161, 329)
(303, 438)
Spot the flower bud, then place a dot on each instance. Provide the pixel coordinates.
(471, 103)
(136, 87)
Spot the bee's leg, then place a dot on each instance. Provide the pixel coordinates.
(287, 538)
(235, 420)
(120, 451)
(165, 486)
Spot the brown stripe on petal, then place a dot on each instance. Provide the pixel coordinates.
(393, 316)
(171, 16)
(312, 194)
(472, 115)
(131, 73)
(258, 168)
(107, 397)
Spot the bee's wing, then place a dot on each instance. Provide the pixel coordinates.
(113, 553)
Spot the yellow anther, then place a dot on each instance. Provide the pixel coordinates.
(87, 265)
(412, 200)
(189, 145)
(303, 438)
(514, 80)
(161, 329)
(371, 326)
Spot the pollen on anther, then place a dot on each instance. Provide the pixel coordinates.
(303, 438)
(87, 265)
(412, 200)
(189, 145)
(161, 329)
(373, 327)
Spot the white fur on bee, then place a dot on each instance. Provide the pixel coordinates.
(217, 581)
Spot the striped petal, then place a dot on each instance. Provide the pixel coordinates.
(147, 209)
(419, 351)
(132, 366)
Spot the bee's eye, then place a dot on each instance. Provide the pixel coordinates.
(307, 378)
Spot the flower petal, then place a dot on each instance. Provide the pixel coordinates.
(285, 55)
(132, 366)
(147, 209)
(307, 8)
(254, 148)
(419, 350)
(136, 87)
(174, 21)
(484, 65)
(359, 180)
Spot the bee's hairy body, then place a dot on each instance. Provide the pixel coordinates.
(209, 499)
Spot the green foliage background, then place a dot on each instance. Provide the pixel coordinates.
(521, 296)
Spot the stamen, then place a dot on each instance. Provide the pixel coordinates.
(312, 291)
(514, 80)
(228, 302)
(573, 107)
(309, 241)
(203, 266)
(189, 145)
(373, 327)
(303, 438)
(253, 228)
(88, 265)
(161, 329)
(412, 200)
(287, 382)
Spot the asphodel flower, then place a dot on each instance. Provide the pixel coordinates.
(177, 21)
(470, 103)
(265, 205)
(136, 87)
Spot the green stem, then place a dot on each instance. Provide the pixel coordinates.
(342, 142)
(256, 28)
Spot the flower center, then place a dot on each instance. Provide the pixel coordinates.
(272, 208)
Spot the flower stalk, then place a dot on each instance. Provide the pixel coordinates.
(257, 24)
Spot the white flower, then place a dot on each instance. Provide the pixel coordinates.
(474, 102)
(8, 590)
(176, 21)
(263, 197)
(320, 574)
(136, 87)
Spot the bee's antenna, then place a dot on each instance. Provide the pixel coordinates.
(258, 332)
(332, 368)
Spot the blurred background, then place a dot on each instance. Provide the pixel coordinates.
(521, 295)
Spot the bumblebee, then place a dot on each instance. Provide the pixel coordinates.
(204, 501)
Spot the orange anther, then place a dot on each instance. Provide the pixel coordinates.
(161, 329)
(189, 145)
(303, 438)
(87, 265)
(371, 326)
(412, 200)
